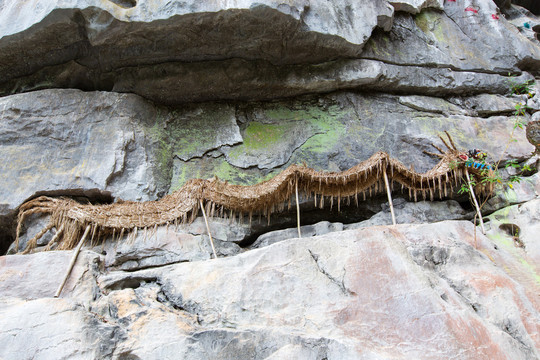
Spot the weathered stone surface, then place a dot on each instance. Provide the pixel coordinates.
(155, 248)
(62, 140)
(280, 135)
(53, 329)
(479, 279)
(168, 245)
(525, 21)
(82, 43)
(531, 5)
(240, 79)
(333, 133)
(486, 104)
(516, 229)
(314, 297)
(200, 129)
(103, 46)
(362, 126)
(527, 189)
(433, 291)
(222, 229)
(272, 237)
(346, 128)
(457, 39)
(430, 104)
(533, 132)
(415, 6)
(317, 16)
(421, 212)
(39, 275)
(425, 280)
(31, 227)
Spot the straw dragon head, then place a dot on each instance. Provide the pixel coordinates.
(473, 160)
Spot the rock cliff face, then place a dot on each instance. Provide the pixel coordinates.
(113, 100)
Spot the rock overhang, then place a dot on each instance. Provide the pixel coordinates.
(101, 45)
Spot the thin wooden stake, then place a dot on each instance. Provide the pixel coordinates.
(475, 202)
(72, 262)
(297, 209)
(389, 198)
(208, 228)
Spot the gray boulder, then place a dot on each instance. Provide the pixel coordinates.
(69, 141)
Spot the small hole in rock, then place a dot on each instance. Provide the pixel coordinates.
(126, 4)
(512, 230)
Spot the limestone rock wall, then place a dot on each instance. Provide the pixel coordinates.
(117, 100)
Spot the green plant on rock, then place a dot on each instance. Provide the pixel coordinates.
(464, 189)
(519, 88)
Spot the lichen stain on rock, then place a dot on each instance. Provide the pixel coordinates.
(508, 244)
(235, 175)
(328, 128)
(162, 149)
(372, 46)
(430, 24)
(458, 127)
(443, 32)
(208, 167)
(531, 269)
(258, 136)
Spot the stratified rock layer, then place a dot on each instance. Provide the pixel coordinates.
(204, 51)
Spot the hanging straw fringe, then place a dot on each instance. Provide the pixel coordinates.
(263, 198)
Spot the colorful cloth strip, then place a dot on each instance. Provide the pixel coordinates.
(478, 165)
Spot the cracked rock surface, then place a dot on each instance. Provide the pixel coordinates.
(369, 293)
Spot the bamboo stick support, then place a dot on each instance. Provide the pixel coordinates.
(72, 262)
(475, 202)
(297, 209)
(208, 228)
(388, 192)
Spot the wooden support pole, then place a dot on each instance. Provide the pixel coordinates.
(208, 228)
(72, 262)
(389, 193)
(297, 208)
(475, 202)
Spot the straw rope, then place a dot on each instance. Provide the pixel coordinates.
(264, 198)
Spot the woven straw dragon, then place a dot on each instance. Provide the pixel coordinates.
(70, 218)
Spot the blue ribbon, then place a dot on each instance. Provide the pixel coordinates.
(478, 165)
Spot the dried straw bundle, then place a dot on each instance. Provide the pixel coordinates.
(366, 178)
